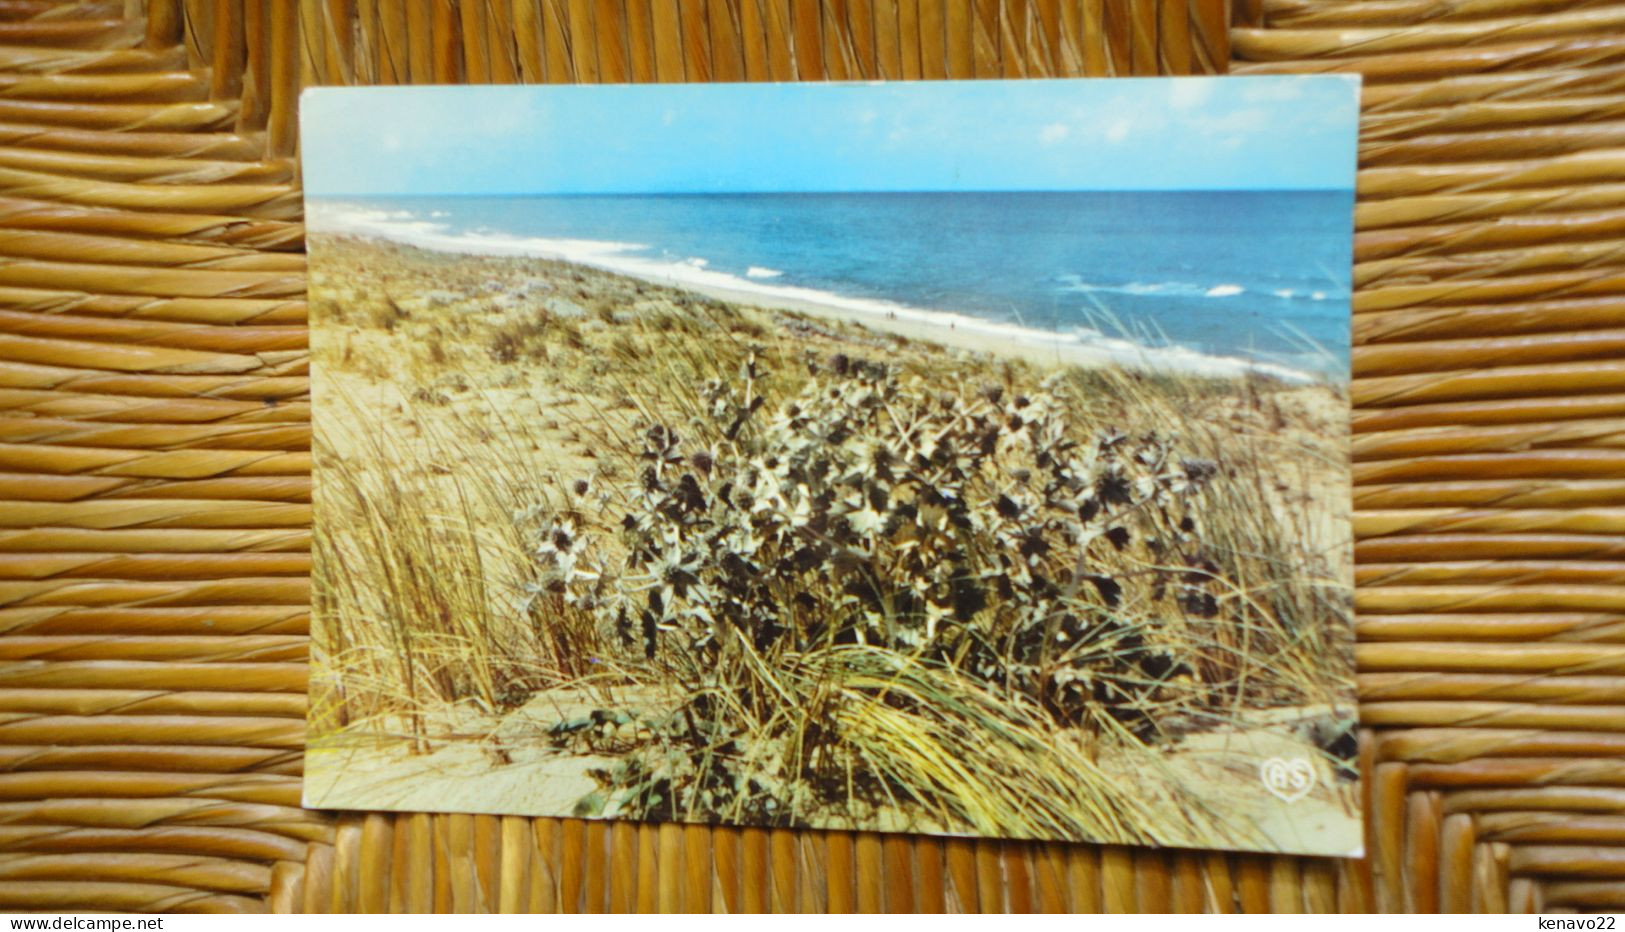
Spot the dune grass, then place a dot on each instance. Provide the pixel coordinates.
(811, 574)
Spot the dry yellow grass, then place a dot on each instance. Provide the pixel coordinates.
(471, 410)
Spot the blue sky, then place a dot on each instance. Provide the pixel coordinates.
(1267, 132)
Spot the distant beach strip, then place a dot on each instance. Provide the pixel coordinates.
(759, 285)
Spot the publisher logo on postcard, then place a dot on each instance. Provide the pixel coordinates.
(966, 458)
(1291, 780)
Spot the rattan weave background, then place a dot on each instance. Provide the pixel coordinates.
(154, 476)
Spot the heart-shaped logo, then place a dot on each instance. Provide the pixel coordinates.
(1291, 780)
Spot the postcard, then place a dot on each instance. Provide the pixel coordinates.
(963, 458)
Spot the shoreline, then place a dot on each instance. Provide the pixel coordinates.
(946, 328)
(962, 332)
(467, 406)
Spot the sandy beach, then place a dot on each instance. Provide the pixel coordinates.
(511, 767)
(991, 338)
(490, 429)
(944, 327)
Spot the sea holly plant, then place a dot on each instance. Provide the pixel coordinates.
(972, 531)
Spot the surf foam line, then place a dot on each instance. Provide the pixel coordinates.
(1190, 289)
(1082, 346)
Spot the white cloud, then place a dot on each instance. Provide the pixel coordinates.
(1189, 93)
(1250, 120)
(1275, 89)
(1118, 131)
(1053, 133)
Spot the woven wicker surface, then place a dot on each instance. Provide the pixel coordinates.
(154, 519)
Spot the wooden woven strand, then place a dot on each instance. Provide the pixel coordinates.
(726, 40)
(141, 728)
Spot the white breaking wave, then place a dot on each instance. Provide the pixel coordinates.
(757, 271)
(1084, 345)
(401, 227)
(1171, 289)
(1186, 289)
(1074, 283)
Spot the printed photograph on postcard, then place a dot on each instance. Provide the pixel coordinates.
(962, 458)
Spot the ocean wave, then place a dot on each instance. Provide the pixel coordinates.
(1074, 283)
(1185, 289)
(404, 227)
(1083, 345)
(758, 271)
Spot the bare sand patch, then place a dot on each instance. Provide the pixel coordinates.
(470, 410)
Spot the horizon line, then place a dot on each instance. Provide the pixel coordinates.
(1316, 190)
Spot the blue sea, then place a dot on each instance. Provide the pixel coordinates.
(1257, 276)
